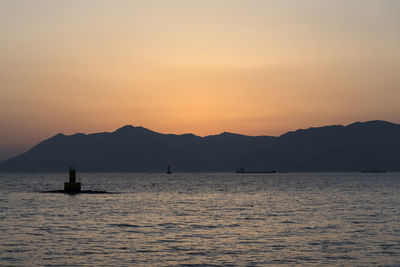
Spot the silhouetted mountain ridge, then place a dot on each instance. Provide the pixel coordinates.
(357, 146)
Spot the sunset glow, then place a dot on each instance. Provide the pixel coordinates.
(251, 67)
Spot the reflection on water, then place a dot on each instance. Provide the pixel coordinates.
(206, 219)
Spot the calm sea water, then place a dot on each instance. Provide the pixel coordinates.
(344, 219)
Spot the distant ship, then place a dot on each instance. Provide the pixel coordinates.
(242, 170)
(373, 171)
(169, 171)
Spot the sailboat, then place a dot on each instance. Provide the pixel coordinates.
(169, 171)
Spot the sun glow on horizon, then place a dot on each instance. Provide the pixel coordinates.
(202, 67)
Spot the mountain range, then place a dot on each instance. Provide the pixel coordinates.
(355, 147)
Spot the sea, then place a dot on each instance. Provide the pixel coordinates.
(201, 219)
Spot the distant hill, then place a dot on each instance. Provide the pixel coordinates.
(355, 147)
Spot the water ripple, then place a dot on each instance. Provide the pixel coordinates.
(341, 219)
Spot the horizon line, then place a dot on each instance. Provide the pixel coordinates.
(225, 132)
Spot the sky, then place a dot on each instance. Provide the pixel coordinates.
(204, 67)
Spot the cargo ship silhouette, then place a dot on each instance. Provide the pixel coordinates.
(242, 170)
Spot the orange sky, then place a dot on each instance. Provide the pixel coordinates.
(251, 67)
